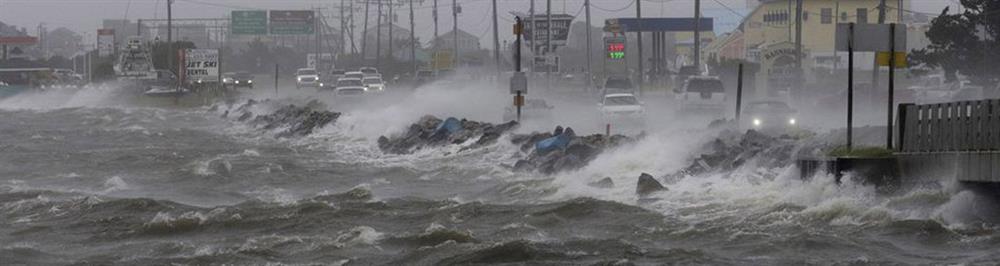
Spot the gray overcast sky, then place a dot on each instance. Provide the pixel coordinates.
(85, 16)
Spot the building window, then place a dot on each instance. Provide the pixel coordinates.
(862, 16)
(843, 16)
(826, 15)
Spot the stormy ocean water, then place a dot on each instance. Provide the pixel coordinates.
(87, 178)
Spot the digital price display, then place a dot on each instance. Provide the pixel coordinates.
(616, 50)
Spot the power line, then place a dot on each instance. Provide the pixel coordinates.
(614, 10)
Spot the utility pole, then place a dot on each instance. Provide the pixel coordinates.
(364, 34)
(413, 42)
(697, 35)
(875, 68)
(378, 34)
(392, 20)
(454, 31)
(170, 36)
(798, 46)
(534, 40)
(435, 15)
(343, 28)
(496, 39)
(590, 79)
(316, 29)
(548, 43)
(638, 16)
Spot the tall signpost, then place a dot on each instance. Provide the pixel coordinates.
(519, 82)
(852, 37)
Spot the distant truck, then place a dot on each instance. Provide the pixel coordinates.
(702, 94)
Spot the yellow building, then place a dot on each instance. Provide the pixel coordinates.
(767, 36)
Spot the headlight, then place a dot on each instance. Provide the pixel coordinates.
(756, 122)
(791, 121)
(321, 84)
(366, 88)
(237, 82)
(299, 78)
(250, 81)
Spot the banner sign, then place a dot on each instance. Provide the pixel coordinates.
(201, 64)
(105, 42)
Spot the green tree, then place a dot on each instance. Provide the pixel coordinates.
(967, 43)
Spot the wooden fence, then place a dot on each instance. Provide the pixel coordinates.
(949, 127)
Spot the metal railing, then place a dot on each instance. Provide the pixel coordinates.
(949, 127)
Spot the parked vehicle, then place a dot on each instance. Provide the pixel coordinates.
(621, 104)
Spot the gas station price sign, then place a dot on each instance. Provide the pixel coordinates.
(615, 48)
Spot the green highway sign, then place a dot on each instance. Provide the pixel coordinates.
(292, 22)
(253, 22)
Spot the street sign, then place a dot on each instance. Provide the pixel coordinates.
(518, 83)
(292, 22)
(105, 42)
(201, 65)
(883, 59)
(870, 37)
(252, 22)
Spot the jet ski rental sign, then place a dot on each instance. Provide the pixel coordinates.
(201, 65)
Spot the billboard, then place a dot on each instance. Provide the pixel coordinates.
(252, 22)
(105, 42)
(292, 22)
(560, 30)
(201, 64)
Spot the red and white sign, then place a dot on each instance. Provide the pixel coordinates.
(105, 42)
(18, 40)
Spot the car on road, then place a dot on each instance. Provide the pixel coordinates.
(618, 85)
(350, 87)
(621, 104)
(768, 116)
(374, 84)
(354, 75)
(368, 70)
(702, 94)
(306, 77)
(237, 79)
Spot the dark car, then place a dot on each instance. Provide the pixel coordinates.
(237, 80)
(768, 116)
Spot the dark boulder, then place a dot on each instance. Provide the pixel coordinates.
(647, 184)
(603, 183)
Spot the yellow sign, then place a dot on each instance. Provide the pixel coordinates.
(442, 60)
(883, 59)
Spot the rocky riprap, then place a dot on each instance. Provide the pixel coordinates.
(295, 119)
(562, 150)
(431, 131)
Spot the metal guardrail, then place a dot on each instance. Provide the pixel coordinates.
(965, 126)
